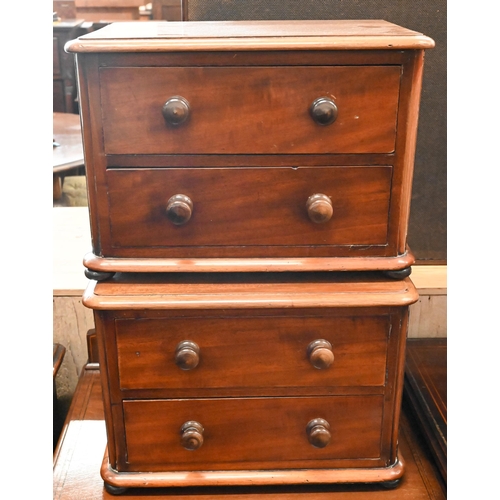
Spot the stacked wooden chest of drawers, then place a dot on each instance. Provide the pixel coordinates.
(249, 191)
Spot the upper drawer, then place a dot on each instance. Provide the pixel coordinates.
(249, 110)
(254, 352)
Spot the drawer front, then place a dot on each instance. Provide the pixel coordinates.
(250, 109)
(252, 352)
(251, 433)
(251, 207)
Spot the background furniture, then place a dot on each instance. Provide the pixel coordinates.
(67, 152)
(168, 10)
(106, 11)
(426, 390)
(58, 415)
(64, 80)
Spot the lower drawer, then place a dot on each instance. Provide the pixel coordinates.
(253, 433)
(257, 211)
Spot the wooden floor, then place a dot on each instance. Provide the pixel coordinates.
(79, 453)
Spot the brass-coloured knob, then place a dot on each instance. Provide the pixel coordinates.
(320, 354)
(187, 355)
(319, 208)
(176, 110)
(324, 111)
(179, 209)
(318, 432)
(192, 435)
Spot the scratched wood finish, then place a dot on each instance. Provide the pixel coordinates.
(242, 208)
(247, 290)
(237, 110)
(251, 35)
(229, 348)
(231, 427)
(80, 452)
(246, 112)
(274, 338)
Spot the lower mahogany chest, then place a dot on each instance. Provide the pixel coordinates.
(251, 379)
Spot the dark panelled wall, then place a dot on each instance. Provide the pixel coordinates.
(427, 229)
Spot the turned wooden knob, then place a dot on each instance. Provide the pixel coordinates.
(319, 208)
(192, 435)
(320, 354)
(179, 209)
(176, 110)
(187, 355)
(324, 111)
(318, 432)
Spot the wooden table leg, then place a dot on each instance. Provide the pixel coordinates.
(57, 187)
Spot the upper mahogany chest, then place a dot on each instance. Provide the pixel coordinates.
(259, 145)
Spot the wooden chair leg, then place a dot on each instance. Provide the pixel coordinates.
(57, 187)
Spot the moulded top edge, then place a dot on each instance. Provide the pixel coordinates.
(141, 295)
(249, 35)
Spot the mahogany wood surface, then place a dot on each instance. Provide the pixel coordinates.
(251, 35)
(78, 458)
(247, 290)
(248, 94)
(252, 110)
(240, 208)
(365, 321)
(253, 433)
(229, 348)
(236, 265)
(426, 390)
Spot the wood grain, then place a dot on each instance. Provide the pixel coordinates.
(78, 459)
(238, 110)
(242, 208)
(247, 291)
(426, 390)
(253, 433)
(229, 348)
(251, 35)
(246, 111)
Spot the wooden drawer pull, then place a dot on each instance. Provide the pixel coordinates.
(179, 209)
(192, 435)
(320, 354)
(324, 111)
(187, 355)
(176, 111)
(319, 208)
(318, 432)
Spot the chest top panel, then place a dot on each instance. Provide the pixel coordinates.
(250, 35)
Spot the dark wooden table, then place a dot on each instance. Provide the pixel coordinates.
(79, 453)
(426, 392)
(57, 415)
(68, 153)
